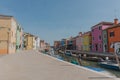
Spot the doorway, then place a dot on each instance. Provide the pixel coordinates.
(96, 47)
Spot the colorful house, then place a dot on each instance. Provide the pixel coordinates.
(74, 43)
(63, 45)
(105, 40)
(87, 42)
(97, 41)
(114, 37)
(37, 39)
(47, 46)
(69, 43)
(19, 38)
(28, 41)
(34, 42)
(56, 44)
(63, 42)
(79, 42)
(8, 26)
(42, 44)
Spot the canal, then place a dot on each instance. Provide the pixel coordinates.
(87, 64)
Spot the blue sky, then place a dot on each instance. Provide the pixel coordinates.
(56, 19)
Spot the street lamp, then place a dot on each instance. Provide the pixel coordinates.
(7, 37)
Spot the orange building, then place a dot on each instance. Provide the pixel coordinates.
(114, 37)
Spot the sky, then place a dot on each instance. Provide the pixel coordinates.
(57, 19)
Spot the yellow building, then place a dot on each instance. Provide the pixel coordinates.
(29, 41)
(8, 27)
(87, 41)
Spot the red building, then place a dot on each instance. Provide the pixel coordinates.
(114, 37)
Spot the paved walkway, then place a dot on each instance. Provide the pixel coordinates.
(32, 65)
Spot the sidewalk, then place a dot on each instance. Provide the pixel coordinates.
(32, 65)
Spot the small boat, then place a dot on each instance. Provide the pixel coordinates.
(74, 54)
(94, 59)
(60, 51)
(74, 62)
(110, 65)
(68, 52)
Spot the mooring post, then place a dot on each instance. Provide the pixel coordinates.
(117, 59)
(79, 59)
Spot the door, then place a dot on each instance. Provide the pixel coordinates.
(96, 47)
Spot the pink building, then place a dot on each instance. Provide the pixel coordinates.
(79, 42)
(97, 41)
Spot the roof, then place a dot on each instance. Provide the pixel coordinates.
(87, 33)
(8, 17)
(5, 16)
(114, 26)
(104, 23)
(26, 34)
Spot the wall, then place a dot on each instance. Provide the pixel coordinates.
(30, 43)
(97, 44)
(87, 41)
(10, 24)
(105, 41)
(79, 43)
(3, 41)
(114, 39)
(12, 46)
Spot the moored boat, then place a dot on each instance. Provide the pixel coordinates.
(74, 54)
(110, 65)
(60, 51)
(68, 52)
(94, 59)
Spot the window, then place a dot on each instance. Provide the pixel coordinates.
(100, 27)
(100, 37)
(92, 46)
(112, 34)
(100, 45)
(92, 30)
(93, 38)
(105, 36)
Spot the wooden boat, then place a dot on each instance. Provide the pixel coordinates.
(94, 59)
(68, 52)
(110, 65)
(74, 62)
(74, 54)
(60, 51)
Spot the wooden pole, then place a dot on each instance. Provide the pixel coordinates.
(79, 59)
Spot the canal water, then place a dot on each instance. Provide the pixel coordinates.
(87, 64)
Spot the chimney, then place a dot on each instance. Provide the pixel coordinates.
(116, 21)
(80, 33)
